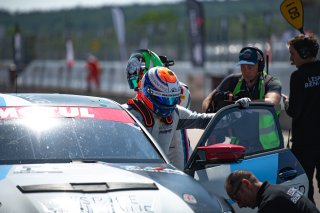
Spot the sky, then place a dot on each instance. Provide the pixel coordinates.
(31, 5)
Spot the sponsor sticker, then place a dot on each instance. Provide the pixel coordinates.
(107, 203)
(153, 169)
(36, 169)
(189, 199)
(7, 113)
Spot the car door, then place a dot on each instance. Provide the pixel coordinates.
(257, 129)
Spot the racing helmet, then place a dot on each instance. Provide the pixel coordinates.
(160, 90)
(139, 63)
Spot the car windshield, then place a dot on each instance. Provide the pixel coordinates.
(117, 138)
(255, 129)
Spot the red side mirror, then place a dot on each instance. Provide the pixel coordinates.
(223, 152)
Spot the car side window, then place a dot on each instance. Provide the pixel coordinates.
(255, 129)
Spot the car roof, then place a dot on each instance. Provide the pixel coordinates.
(55, 99)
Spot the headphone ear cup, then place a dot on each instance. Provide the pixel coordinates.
(261, 62)
(261, 65)
(304, 52)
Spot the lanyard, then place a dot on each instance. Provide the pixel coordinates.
(260, 86)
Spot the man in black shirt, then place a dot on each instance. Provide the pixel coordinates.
(252, 83)
(247, 191)
(304, 105)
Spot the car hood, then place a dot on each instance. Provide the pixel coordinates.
(99, 187)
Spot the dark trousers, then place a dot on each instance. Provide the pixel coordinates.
(309, 158)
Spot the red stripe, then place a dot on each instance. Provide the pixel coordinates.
(65, 111)
(112, 115)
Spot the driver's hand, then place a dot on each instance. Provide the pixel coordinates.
(244, 102)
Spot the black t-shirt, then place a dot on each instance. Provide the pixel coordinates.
(304, 104)
(229, 84)
(278, 198)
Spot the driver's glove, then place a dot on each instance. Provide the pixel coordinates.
(244, 102)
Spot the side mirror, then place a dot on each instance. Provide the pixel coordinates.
(223, 153)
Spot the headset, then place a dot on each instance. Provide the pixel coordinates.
(261, 60)
(306, 48)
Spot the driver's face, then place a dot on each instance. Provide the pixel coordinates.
(249, 72)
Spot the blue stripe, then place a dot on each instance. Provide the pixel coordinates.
(265, 168)
(183, 141)
(2, 101)
(4, 169)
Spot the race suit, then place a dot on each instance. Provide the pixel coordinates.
(180, 149)
(182, 118)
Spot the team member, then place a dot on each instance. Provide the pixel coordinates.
(247, 191)
(304, 104)
(156, 106)
(252, 82)
(93, 72)
(138, 64)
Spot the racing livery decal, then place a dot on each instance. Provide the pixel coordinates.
(9, 100)
(4, 169)
(36, 169)
(153, 169)
(69, 112)
(189, 198)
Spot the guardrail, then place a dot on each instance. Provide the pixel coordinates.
(53, 76)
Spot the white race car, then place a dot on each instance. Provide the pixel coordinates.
(68, 153)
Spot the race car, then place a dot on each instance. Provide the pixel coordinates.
(72, 153)
(257, 129)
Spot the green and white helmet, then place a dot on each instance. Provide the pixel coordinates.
(140, 62)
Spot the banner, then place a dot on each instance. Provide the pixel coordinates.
(17, 46)
(69, 54)
(196, 31)
(119, 25)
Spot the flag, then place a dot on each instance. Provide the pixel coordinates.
(196, 31)
(69, 54)
(17, 45)
(119, 25)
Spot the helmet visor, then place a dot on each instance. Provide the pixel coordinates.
(165, 99)
(171, 101)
